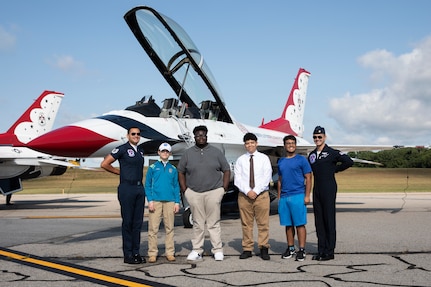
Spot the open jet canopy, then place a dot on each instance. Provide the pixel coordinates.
(179, 61)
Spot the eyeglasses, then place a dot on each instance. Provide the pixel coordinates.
(317, 137)
(135, 134)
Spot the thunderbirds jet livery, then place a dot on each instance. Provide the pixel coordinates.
(18, 162)
(198, 101)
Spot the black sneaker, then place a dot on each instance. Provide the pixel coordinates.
(288, 253)
(300, 256)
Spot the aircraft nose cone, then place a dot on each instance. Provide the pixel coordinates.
(69, 141)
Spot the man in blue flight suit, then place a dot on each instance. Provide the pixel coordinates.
(131, 193)
(325, 162)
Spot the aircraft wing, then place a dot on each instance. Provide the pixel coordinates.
(23, 156)
(366, 161)
(348, 148)
(305, 148)
(66, 163)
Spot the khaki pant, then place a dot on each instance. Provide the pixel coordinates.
(163, 210)
(205, 207)
(250, 210)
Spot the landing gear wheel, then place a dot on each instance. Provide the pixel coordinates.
(187, 218)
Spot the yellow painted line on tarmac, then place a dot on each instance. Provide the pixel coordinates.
(71, 271)
(71, 216)
(74, 216)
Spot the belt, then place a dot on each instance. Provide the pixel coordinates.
(132, 182)
(262, 193)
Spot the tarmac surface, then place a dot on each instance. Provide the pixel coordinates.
(75, 240)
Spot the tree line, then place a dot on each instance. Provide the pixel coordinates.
(417, 157)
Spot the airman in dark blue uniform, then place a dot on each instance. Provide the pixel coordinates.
(325, 162)
(131, 193)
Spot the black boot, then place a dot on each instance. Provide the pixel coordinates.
(245, 255)
(264, 253)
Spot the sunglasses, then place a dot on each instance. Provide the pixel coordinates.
(317, 137)
(135, 134)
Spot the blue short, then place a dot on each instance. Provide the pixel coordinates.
(292, 211)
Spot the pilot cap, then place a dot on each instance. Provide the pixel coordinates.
(165, 146)
(319, 130)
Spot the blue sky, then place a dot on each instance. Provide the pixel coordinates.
(369, 61)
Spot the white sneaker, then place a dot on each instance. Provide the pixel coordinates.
(218, 256)
(194, 256)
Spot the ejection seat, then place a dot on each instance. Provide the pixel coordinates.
(209, 110)
(170, 107)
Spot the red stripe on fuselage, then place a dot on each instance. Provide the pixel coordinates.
(70, 141)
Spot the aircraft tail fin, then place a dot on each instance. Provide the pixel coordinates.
(36, 120)
(291, 120)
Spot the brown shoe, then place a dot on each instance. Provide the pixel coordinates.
(170, 258)
(152, 259)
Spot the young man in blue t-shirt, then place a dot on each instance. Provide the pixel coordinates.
(294, 187)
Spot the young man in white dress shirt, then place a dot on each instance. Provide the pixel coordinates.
(253, 198)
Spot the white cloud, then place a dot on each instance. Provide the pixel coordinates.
(398, 109)
(7, 40)
(67, 64)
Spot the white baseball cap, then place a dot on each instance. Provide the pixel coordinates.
(165, 146)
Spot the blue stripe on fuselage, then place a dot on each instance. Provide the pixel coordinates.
(126, 123)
